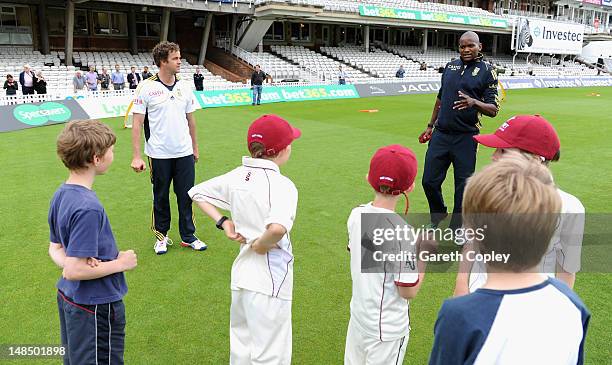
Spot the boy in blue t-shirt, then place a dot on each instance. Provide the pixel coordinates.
(90, 291)
(519, 316)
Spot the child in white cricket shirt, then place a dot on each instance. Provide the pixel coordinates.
(262, 204)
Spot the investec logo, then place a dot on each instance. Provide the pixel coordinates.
(557, 35)
(40, 114)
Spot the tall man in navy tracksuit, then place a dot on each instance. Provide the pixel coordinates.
(468, 89)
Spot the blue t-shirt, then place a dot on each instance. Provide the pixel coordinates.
(542, 324)
(78, 221)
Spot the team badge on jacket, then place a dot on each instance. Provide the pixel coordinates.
(476, 70)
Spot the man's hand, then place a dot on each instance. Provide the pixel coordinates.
(196, 153)
(464, 102)
(230, 232)
(138, 165)
(127, 259)
(426, 135)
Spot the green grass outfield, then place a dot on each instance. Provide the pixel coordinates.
(178, 304)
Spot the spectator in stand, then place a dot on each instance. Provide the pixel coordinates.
(341, 76)
(10, 85)
(400, 73)
(92, 79)
(104, 79)
(145, 73)
(133, 78)
(40, 86)
(198, 79)
(118, 79)
(27, 80)
(423, 67)
(78, 81)
(257, 80)
(600, 64)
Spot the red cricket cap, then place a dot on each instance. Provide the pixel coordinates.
(530, 133)
(273, 132)
(394, 166)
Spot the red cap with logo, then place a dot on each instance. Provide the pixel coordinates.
(394, 166)
(273, 132)
(530, 133)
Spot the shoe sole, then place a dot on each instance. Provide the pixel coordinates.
(183, 244)
(161, 253)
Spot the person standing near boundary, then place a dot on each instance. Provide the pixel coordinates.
(164, 106)
(27, 78)
(257, 80)
(341, 76)
(198, 79)
(118, 79)
(468, 89)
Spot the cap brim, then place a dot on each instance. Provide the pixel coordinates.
(491, 140)
(296, 133)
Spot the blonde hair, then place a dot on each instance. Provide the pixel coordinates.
(81, 140)
(517, 205)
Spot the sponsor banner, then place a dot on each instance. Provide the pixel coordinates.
(99, 108)
(595, 2)
(22, 116)
(545, 82)
(425, 87)
(274, 94)
(541, 36)
(606, 3)
(440, 17)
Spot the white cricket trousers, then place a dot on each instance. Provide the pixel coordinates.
(365, 350)
(260, 329)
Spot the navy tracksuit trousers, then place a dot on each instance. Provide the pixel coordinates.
(445, 149)
(181, 173)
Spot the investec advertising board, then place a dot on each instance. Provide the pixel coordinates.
(432, 16)
(541, 36)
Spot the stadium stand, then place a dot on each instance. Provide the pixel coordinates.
(273, 65)
(325, 67)
(378, 62)
(59, 77)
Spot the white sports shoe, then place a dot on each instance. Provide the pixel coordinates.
(161, 247)
(196, 245)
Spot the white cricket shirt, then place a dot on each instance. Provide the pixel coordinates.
(257, 195)
(165, 125)
(377, 308)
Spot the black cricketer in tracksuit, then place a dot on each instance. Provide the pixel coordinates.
(451, 141)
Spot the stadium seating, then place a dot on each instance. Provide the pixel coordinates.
(325, 67)
(59, 77)
(272, 65)
(378, 62)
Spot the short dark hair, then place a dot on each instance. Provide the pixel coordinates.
(9, 76)
(162, 51)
